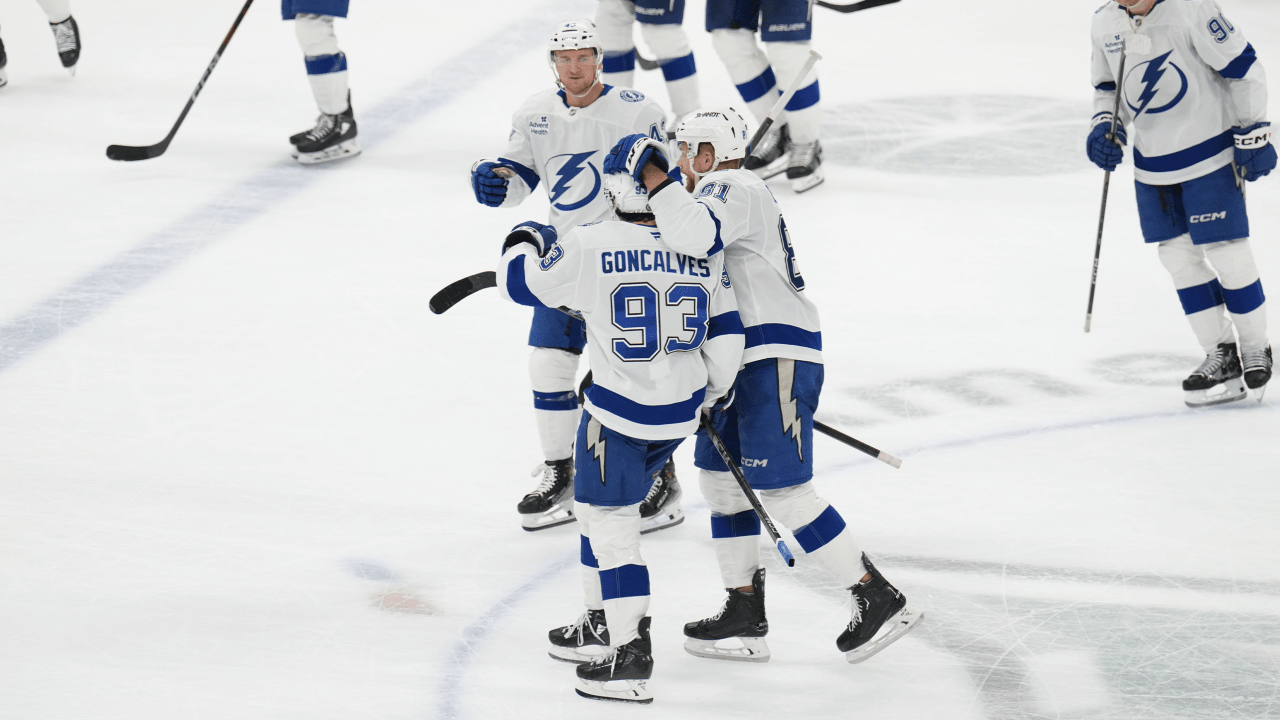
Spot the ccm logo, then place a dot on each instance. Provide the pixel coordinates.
(1208, 217)
(1251, 141)
(748, 462)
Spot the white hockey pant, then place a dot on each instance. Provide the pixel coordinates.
(553, 371)
(747, 63)
(319, 44)
(794, 508)
(1232, 265)
(56, 10)
(614, 19)
(621, 578)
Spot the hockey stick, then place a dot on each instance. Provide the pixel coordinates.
(857, 444)
(1106, 186)
(855, 7)
(458, 290)
(129, 152)
(785, 98)
(751, 494)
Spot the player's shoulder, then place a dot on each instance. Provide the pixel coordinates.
(540, 101)
(1109, 15)
(742, 185)
(627, 104)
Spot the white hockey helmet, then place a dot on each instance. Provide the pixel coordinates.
(723, 127)
(626, 196)
(575, 35)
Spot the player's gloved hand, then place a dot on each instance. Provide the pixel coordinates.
(1255, 155)
(1105, 153)
(490, 187)
(720, 404)
(630, 154)
(535, 233)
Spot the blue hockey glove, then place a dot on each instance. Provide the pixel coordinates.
(630, 154)
(1105, 153)
(1255, 155)
(490, 187)
(535, 233)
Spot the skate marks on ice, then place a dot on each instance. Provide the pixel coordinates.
(915, 398)
(97, 291)
(961, 135)
(390, 592)
(1048, 642)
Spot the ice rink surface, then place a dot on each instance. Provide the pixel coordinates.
(245, 473)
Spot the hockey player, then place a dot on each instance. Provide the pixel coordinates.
(66, 36)
(785, 27)
(1195, 97)
(665, 341)
(770, 422)
(660, 25)
(334, 135)
(559, 137)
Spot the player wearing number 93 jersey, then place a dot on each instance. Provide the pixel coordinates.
(665, 341)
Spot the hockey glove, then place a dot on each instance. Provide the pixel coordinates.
(535, 233)
(630, 154)
(489, 185)
(1255, 155)
(1104, 152)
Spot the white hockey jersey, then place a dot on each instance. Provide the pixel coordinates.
(734, 210)
(564, 148)
(1180, 100)
(663, 329)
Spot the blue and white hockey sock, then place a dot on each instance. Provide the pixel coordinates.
(591, 594)
(56, 10)
(736, 539)
(326, 64)
(1199, 291)
(671, 46)
(819, 530)
(1241, 291)
(748, 68)
(803, 113)
(625, 590)
(555, 400)
(614, 21)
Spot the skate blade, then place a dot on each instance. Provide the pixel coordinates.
(891, 632)
(808, 182)
(578, 656)
(1261, 391)
(632, 691)
(347, 149)
(1224, 392)
(560, 514)
(740, 649)
(665, 519)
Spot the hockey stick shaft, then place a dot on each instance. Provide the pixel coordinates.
(855, 7)
(776, 110)
(751, 494)
(1106, 187)
(458, 290)
(857, 444)
(129, 153)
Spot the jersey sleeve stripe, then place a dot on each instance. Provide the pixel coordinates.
(517, 289)
(1185, 158)
(718, 245)
(1238, 68)
(729, 323)
(779, 334)
(635, 412)
(529, 177)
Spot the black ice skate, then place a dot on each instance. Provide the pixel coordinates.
(583, 641)
(333, 138)
(737, 631)
(769, 158)
(67, 35)
(1257, 370)
(661, 507)
(4, 60)
(805, 172)
(880, 616)
(1217, 380)
(551, 503)
(623, 674)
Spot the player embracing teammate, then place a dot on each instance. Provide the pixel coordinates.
(1195, 97)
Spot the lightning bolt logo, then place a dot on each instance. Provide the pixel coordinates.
(787, 403)
(570, 169)
(1150, 79)
(596, 446)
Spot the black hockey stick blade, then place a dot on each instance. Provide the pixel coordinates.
(129, 153)
(857, 444)
(855, 7)
(456, 292)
